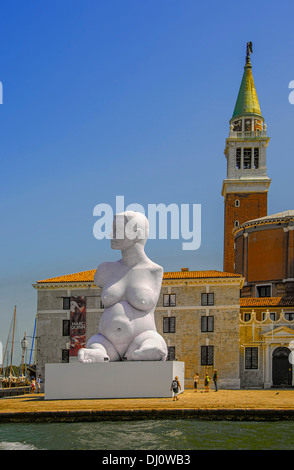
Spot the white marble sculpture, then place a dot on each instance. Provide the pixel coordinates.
(130, 291)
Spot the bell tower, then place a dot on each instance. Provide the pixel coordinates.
(246, 185)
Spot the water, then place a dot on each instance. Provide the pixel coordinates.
(149, 435)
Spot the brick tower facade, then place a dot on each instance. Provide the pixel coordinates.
(246, 185)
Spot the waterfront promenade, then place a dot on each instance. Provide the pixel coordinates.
(271, 404)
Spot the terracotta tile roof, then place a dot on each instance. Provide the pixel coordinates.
(267, 302)
(83, 276)
(198, 274)
(88, 276)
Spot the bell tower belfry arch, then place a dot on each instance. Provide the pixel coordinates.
(246, 184)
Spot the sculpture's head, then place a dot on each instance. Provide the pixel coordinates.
(129, 227)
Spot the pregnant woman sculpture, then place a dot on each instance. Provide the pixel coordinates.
(130, 291)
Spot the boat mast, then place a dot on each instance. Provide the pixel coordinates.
(7, 346)
(12, 340)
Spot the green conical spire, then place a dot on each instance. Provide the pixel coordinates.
(247, 101)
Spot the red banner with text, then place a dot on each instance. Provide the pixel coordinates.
(78, 309)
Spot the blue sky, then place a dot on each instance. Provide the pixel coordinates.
(133, 98)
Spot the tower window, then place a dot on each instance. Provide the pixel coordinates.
(237, 125)
(236, 223)
(256, 158)
(238, 158)
(247, 158)
(257, 125)
(248, 125)
(237, 203)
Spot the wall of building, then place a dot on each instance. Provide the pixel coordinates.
(251, 206)
(187, 338)
(264, 254)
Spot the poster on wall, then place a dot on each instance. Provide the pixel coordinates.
(78, 308)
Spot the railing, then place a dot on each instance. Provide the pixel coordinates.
(248, 135)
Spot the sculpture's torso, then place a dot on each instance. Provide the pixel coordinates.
(129, 296)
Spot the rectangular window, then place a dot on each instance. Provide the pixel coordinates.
(169, 324)
(247, 158)
(256, 158)
(238, 158)
(251, 358)
(264, 291)
(207, 355)
(207, 323)
(289, 316)
(207, 299)
(169, 300)
(272, 315)
(247, 316)
(65, 355)
(65, 327)
(171, 353)
(66, 303)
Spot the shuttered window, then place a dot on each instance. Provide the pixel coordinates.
(207, 355)
(169, 324)
(251, 358)
(207, 323)
(65, 327)
(207, 299)
(169, 300)
(171, 353)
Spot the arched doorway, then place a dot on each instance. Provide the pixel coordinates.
(282, 367)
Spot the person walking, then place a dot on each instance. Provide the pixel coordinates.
(206, 382)
(196, 378)
(215, 379)
(175, 386)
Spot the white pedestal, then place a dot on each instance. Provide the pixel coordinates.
(134, 379)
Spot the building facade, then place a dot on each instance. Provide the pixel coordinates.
(266, 342)
(197, 314)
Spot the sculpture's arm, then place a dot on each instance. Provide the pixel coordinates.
(102, 273)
